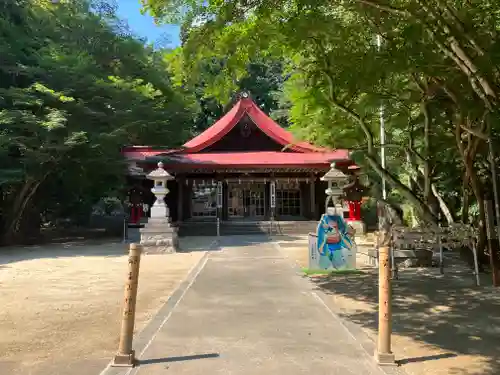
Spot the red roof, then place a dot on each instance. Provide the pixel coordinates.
(269, 159)
(246, 106)
(143, 152)
(299, 154)
(242, 159)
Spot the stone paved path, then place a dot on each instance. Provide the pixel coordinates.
(249, 313)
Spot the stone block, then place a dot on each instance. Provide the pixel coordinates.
(124, 360)
(159, 221)
(385, 359)
(159, 239)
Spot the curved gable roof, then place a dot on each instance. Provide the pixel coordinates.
(269, 127)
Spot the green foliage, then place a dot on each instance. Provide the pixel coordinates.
(263, 79)
(75, 87)
(436, 71)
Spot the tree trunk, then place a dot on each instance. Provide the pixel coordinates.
(442, 205)
(18, 208)
(465, 199)
(421, 208)
(431, 201)
(475, 184)
(418, 181)
(478, 194)
(426, 169)
(412, 184)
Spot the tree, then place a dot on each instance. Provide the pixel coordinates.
(263, 80)
(436, 72)
(73, 90)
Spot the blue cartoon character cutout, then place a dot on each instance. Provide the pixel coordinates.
(336, 246)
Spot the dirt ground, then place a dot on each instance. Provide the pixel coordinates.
(61, 304)
(443, 325)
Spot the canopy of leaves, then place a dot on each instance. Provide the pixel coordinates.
(433, 67)
(75, 86)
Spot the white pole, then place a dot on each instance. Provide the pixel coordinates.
(382, 131)
(125, 230)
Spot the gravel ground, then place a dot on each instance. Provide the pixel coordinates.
(61, 304)
(442, 325)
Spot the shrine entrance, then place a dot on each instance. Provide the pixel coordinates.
(246, 201)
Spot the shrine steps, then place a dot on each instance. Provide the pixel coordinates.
(244, 227)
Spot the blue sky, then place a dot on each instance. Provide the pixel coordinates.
(143, 25)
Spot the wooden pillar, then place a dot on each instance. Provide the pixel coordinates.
(320, 197)
(303, 198)
(126, 355)
(225, 201)
(189, 200)
(267, 201)
(383, 353)
(358, 210)
(180, 198)
(220, 199)
(354, 210)
(312, 197)
(351, 210)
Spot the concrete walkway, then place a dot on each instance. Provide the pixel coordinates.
(247, 312)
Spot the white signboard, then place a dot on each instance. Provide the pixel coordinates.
(273, 194)
(336, 241)
(313, 252)
(219, 194)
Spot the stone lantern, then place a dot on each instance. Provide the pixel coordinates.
(158, 235)
(337, 180)
(160, 177)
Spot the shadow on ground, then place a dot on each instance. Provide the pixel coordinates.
(178, 359)
(212, 243)
(75, 248)
(448, 311)
(106, 247)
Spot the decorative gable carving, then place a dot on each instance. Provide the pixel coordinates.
(270, 135)
(245, 136)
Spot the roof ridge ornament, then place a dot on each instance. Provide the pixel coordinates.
(244, 95)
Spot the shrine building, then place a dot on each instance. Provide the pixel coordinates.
(244, 168)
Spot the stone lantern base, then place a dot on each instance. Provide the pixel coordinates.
(158, 236)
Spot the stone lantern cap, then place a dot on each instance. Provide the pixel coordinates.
(334, 174)
(160, 173)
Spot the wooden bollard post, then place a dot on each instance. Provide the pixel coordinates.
(491, 235)
(383, 353)
(126, 355)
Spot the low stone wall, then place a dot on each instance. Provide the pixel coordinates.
(111, 224)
